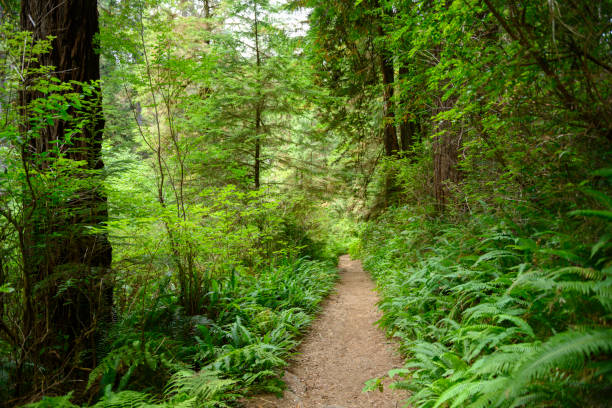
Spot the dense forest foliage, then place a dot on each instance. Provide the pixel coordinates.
(178, 177)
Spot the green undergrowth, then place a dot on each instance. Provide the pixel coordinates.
(159, 357)
(490, 313)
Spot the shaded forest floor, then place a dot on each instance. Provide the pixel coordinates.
(343, 349)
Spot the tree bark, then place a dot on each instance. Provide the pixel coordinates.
(389, 130)
(446, 148)
(258, 105)
(407, 127)
(257, 165)
(69, 265)
(390, 140)
(388, 78)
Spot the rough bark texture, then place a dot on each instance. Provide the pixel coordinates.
(446, 147)
(67, 295)
(392, 147)
(259, 105)
(388, 77)
(390, 140)
(390, 132)
(407, 127)
(257, 165)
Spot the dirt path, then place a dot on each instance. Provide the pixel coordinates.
(342, 350)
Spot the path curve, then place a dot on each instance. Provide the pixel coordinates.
(342, 350)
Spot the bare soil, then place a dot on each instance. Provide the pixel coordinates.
(342, 351)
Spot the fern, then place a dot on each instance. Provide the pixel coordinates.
(125, 360)
(204, 388)
(603, 214)
(485, 316)
(569, 350)
(54, 402)
(463, 391)
(124, 399)
(254, 357)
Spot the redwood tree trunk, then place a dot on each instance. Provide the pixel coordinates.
(390, 140)
(407, 127)
(66, 264)
(388, 78)
(390, 132)
(446, 148)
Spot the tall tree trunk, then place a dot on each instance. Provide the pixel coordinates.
(388, 116)
(407, 127)
(68, 265)
(257, 165)
(390, 132)
(258, 104)
(390, 140)
(392, 147)
(446, 148)
(388, 78)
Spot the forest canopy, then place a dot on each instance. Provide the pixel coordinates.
(179, 177)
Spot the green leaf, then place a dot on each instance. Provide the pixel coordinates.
(600, 244)
(606, 215)
(6, 288)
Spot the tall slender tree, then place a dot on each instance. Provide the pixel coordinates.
(258, 99)
(252, 87)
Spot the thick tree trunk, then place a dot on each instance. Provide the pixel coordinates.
(390, 140)
(407, 134)
(388, 79)
(389, 130)
(445, 168)
(446, 148)
(407, 127)
(67, 264)
(392, 147)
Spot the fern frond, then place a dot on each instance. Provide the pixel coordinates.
(496, 363)
(54, 402)
(568, 350)
(496, 254)
(124, 399)
(205, 386)
(606, 215)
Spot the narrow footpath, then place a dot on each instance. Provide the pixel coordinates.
(342, 351)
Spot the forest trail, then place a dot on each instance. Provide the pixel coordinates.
(343, 349)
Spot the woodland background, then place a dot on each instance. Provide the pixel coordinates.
(177, 179)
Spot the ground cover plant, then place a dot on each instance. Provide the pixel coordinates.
(156, 355)
(494, 314)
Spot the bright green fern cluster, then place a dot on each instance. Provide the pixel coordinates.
(157, 356)
(495, 314)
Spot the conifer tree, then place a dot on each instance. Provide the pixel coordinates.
(67, 295)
